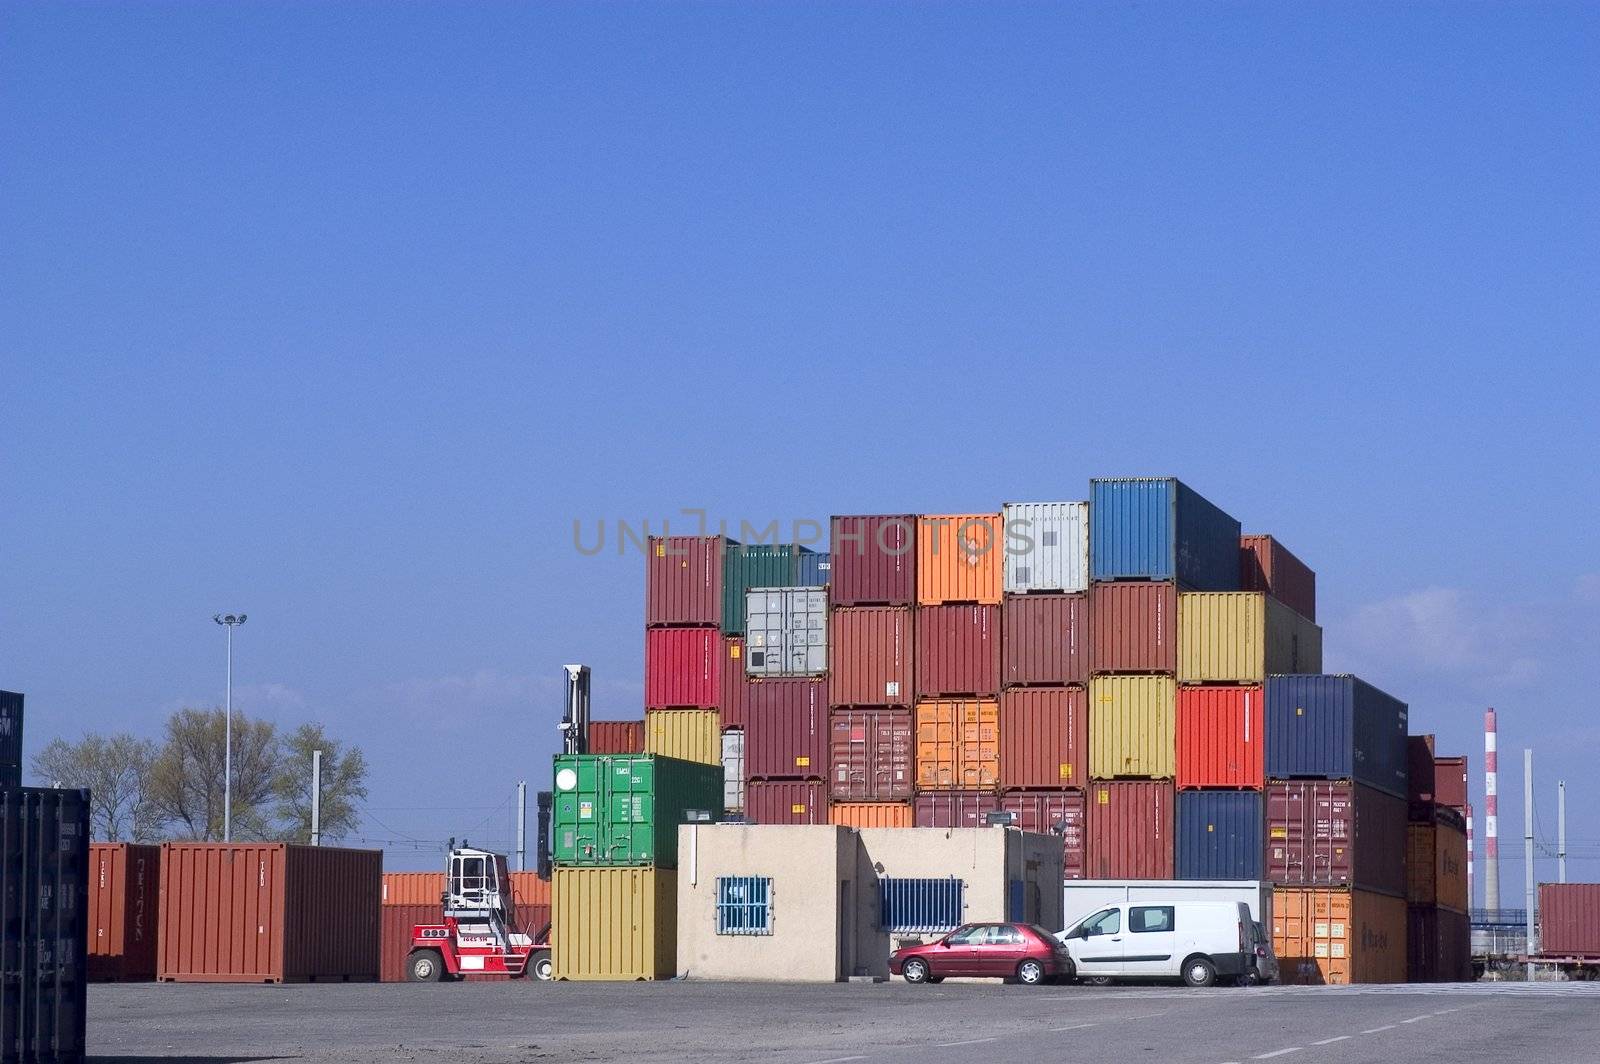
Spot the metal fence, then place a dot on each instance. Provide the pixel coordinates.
(920, 906)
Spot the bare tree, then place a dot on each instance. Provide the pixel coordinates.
(117, 771)
(187, 778)
(344, 785)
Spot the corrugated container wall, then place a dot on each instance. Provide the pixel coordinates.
(735, 683)
(958, 745)
(960, 558)
(395, 923)
(1450, 781)
(1438, 945)
(1436, 865)
(682, 668)
(1267, 565)
(874, 561)
(1419, 768)
(754, 565)
(615, 923)
(268, 912)
(124, 898)
(954, 809)
(815, 569)
(873, 756)
(1331, 833)
(44, 906)
(683, 580)
(1220, 835)
(1130, 826)
(1044, 738)
(1133, 628)
(1052, 813)
(1335, 727)
(871, 814)
(686, 734)
(1569, 919)
(1131, 727)
(1219, 737)
(1046, 640)
(1047, 546)
(958, 650)
(786, 732)
(1338, 937)
(10, 739)
(616, 737)
(786, 802)
(870, 657)
(733, 771)
(786, 631)
(623, 810)
(412, 888)
(1242, 637)
(1161, 529)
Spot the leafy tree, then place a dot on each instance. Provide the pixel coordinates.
(344, 785)
(187, 778)
(117, 771)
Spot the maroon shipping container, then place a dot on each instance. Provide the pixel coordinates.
(786, 802)
(786, 730)
(874, 756)
(954, 809)
(1569, 920)
(1438, 945)
(1045, 812)
(1266, 565)
(958, 651)
(1044, 738)
(616, 737)
(735, 704)
(682, 668)
(1333, 833)
(268, 912)
(874, 561)
(395, 929)
(1047, 640)
(1133, 627)
(1130, 830)
(1419, 768)
(124, 897)
(1450, 782)
(869, 656)
(683, 580)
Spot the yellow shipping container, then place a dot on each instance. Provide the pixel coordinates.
(1436, 866)
(958, 744)
(1131, 727)
(1242, 637)
(614, 923)
(687, 734)
(871, 814)
(1338, 937)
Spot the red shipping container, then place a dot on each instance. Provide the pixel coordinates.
(1130, 830)
(874, 757)
(786, 802)
(1047, 640)
(735, 704)
(1450, 782)
(1133, 627)
(683, 580)
(1419, 768)
(874, 561)
(616, 737)
(869, 656)
(1048, 811)
(682, 668)
(1569, 920)
(1267, 565)
(954, 809)
(124, 898)
(1219, 736)
(786, 730)
(1332, 833)
(1044, 738)
(958, 651)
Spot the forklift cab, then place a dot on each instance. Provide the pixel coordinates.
(477, 885)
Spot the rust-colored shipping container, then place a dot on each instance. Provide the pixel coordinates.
(735, 703)
(1267, 565)
(1438, 945)
(1332, 833)
(873, 756)
(1569, 920)
(1338, 937)
(960, 558)
(1046, 640)
(1450, 782)
(1130, 830)
(786, 802)
(786, 732)
(124, 898)
(683, 580)
(871, 814)
(1044, 738)
(682, 668)
(395, 924)
(1220, 737)
(268, 912)
(958, 651)
(426, 888)
(1419, 768)
(616, 737)
(958, 745)
(869, 657)
(874, 560)
(1051, 813)
(1436, 863)
(1133, 627)
(954, 809)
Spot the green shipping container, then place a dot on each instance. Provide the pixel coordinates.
(745, 566)
(614, 810)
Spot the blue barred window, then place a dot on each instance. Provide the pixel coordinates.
(920, 906)
(744, 905)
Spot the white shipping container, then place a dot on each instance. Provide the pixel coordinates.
(1047, 546)
(733, 771)
(786, 631)
(1081, 897)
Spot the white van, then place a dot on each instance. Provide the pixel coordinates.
(1198, 942)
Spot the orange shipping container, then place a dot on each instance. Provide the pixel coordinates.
(960, 558)
(1436, 865)
(1044, 738)
(1338, 937)
(1219, 738)
(412, 888)
(958, 745)
(871, 814)
(124, 894)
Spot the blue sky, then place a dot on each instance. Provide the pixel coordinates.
(341, 314)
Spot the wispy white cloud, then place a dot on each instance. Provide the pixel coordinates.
(1449, 631)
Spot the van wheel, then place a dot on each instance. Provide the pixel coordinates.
(1199, 971)
(1030, 973)
(424, 966)
(915, 971)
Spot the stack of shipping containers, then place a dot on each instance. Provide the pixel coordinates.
(684, 657)
(1438, 928)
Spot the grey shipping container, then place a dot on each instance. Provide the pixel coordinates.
(44, 910)
(1335, 727)
(786, 631)
(733, 770)
(1221, 835)
(1047, 546)
(10, 739)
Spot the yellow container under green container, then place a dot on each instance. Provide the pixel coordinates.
(686, 734)
(1131, 727)
(1242, 637)
(616, 924)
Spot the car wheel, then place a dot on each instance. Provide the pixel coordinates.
(1199, 971)
(915, 971)
(543, 967)
(424, 966)
(1030, 973)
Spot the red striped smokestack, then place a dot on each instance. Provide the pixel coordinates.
(1491, 816)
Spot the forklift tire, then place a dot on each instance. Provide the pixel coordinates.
(424, 966)
(540, 965)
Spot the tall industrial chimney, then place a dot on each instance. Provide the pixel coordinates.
(1472, 870)
(1491, 816)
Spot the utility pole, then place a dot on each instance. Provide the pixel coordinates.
(230, 621)
(1527, 849)
(316, 797)
(522, 825)
(1561, 831)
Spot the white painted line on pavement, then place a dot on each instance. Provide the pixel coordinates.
(1414, 1019)
(838, 1060)
(1330, 1041)
(1276, 1053)
(1375, 1030)
(1074, 1027)
(968, 1042)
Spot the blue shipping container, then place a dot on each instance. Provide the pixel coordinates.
(815, 569)
(1221, 835)
(1144, 528)
(1335, 728)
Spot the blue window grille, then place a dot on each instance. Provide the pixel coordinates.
(744, 905)
(920, 906)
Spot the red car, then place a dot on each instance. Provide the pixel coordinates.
(1024, 952)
